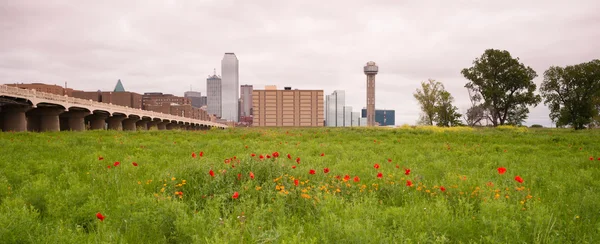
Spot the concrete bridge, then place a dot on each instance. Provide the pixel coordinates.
(29, 110)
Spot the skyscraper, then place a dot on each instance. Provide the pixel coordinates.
(338, 114)
(195, 98)
(371, 70)
(230, 93)
(246, 99)
(213, 95)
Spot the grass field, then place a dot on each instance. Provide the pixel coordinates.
(381, 186)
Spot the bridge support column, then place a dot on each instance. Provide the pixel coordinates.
(130, 123)
(75, 120)
(172, 126)
(115, 122)
(97, 121)
(44, 119)
(14, 118)
(142, 124)
(152, 125)
(162, 125)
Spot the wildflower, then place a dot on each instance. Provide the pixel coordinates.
(591, 158)
(298, 160)
(326, 170)
(501, 170)
(261, 156)
(289, 156)
(379, 175)
(100, 216)
(389, 160)
(397, 166)
(108, 166)
(211, 173)
(293, 166)
(239, 176)
(322, 154)
(409, 183)
(312, 172)
(275, 154)
(490, 184)
(252, 155)
(356, 179)
(346, 178)
(442, 188)
(519, 179)
(407, 171)
(296, 182)
(180, 193)
(235, 195)
(134, 164)
(304, 195)
(100, 158)
(258, 188)
(193, 155)
(268, 156)
(251, 175)
(201, 154)
(116, 164)
(376, 166)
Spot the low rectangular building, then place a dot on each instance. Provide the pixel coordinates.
(286, 108)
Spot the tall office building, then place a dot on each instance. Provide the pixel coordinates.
(195, 97)
(213, 95)
(230, 85)
(338, 114)
(371, 70)
(382, 117)
(246, 100)
(287, 107)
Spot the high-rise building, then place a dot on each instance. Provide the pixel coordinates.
(246, 100)
(230, 85)
(202, 101)
(382, 117)
(213, 95)
(287, 107)
(371, 70)
(338, 114)
(195, 97)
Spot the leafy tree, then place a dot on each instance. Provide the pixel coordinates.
(505, 86)
(436, 105)
(427, 96)
(446, 113)
(572, 94)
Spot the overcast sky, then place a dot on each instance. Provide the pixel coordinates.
(167, 46)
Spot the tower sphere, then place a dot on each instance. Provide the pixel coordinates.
(371, 68)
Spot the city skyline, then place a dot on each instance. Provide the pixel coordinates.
(151, 48)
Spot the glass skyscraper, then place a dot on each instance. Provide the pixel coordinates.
(230, 87)
(213, 95)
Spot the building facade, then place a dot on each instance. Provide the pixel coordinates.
(41, 87)
(230, 87)
(202, 101)
(383, 117)
(246, 100)
(213, 95)
(158, 98)
(287, 108)
(195, 98)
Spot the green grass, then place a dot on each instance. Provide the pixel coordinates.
(53, 184)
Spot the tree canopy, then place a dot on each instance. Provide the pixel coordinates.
(573, 94)
(504, 84)
(436, 104)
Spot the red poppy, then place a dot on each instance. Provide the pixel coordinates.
(389, 160)
(234, 157)
(100, 216)
(116, 164)
(239, 176)
(180, 193)
(298, 160)
(268, 156)
(379, 175)
(251, 175)
(356, 179)
(246, 146)
(201, 154)
(346, 178)
(293, 166)
(227, 161)
(134, 164)
(442, 188)
(275, 154)
(598, 158)
(193, 155)
(519, 179)
(100, 158)
(252, 155)
(338, 177)
(235, 195)
(289, 156)
(261, 156)
(326, 170)
(312, 172)
(296, 182)
(407, 171)
(376, 166)
(397, 166)
(409, 183)
(501, 170)
(211, 173)
(591, 158)
(108, 166)
(322, 154)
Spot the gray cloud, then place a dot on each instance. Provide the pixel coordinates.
(169, 45)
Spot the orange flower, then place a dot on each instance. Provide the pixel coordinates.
(356, 179)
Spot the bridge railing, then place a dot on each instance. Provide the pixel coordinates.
(27, 93)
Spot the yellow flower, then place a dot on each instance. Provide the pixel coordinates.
(162, 189)
(173, 178)
(258, 188)
(139, 182)
(305, 196)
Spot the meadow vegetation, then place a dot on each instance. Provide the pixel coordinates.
(353, 185)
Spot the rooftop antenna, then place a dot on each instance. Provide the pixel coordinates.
(215, 71)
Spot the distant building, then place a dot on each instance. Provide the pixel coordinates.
(119, 87)
(202, 101)
(287, 107)
(41, 87)
(382, 117)
(213, 95)
(195, 98)
(338, 114)
(230, 87)
(158, 99)
(270, 87)
(118, 96)
(246, 100)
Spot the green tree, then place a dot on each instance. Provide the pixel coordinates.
(572, 94)
(505, 85)
(446, 113)
(427, 96)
